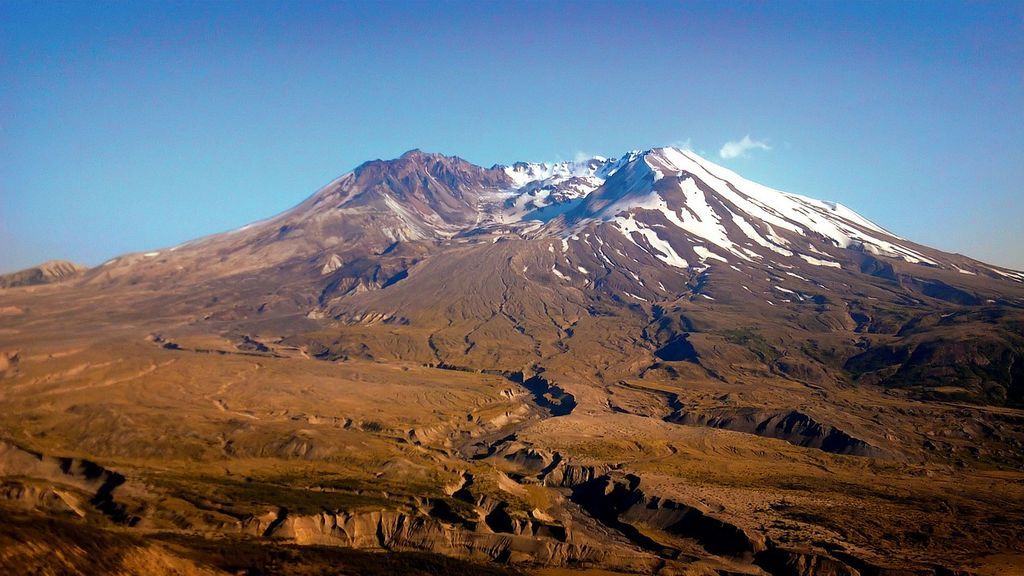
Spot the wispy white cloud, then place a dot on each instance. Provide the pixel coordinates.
(685, 144)
(739, 148)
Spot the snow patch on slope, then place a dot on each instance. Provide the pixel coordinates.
(662, 249)
(716, 202)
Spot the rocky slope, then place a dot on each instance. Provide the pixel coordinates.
(645, 364)
(45, 273)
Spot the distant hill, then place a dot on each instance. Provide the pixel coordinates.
(45, 273)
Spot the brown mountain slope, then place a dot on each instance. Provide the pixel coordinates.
(46, 273)
(678, 372)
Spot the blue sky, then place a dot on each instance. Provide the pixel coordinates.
(136, 125)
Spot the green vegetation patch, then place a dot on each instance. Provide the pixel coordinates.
(245, 494)
(751, 340)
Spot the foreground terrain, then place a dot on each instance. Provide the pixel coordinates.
(642, 365)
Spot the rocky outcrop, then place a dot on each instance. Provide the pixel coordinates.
(571, 475)
(546, 394)
(45, 273)
(792, 426)
(396, 530)
(550, 396)
(785, 562)
(618, 502)
(529, 459)
(42, 497)
(37, 479)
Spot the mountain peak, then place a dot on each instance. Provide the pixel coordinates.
(663, 204)
(696, 211)
(418, 155)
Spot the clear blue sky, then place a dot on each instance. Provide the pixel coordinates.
(137, 125)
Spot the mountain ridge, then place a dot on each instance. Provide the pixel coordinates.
(45, 273)
(426, 195)
(643, 363)
(402, 241)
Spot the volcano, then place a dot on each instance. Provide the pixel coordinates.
(646, 363)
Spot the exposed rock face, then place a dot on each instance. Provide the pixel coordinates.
(394, 530)
(72, 484)
(550, 396)
(47, 498)
(46, 273)
(572, 475)
(793, 427)
(620, 503)
(438, 190)
(783, 562)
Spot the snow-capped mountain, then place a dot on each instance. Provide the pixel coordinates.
(535, 174)
(689, 211)
(559, 336)
(677, 209)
